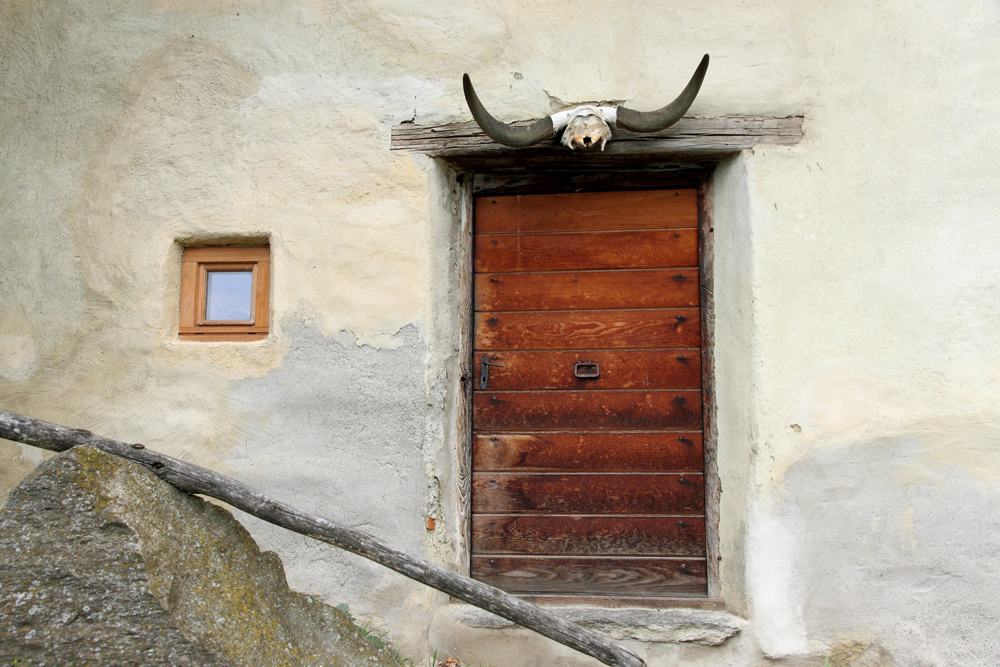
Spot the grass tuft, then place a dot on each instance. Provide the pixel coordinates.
(380, 638)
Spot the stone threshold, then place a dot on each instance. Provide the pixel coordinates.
(666, 626)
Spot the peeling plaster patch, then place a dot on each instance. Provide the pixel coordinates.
(910, 568)
(854, 653)
(403, 98)
(849, 399)
(847, 652)
(32, 455)
(772, 553)
(971, 443)
(205, 7)
(16, 461)
(873, 407)
(338, 430)
(836, 399)
(18, 359)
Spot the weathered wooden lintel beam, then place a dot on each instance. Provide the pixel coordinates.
(193, 479)
(466, 145)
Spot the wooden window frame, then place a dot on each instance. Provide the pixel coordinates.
(195, 266)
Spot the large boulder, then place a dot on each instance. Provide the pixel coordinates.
(101, 562)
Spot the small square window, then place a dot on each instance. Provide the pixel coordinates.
(224, 293)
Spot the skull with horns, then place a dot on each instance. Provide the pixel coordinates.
(585, 126)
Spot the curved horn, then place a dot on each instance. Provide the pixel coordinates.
(661, 119)
(502, 133)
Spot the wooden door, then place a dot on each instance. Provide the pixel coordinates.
(587, 438)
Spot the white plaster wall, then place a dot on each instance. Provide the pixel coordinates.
(857, 277)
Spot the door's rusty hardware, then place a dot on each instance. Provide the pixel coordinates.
(484, 372)
(586, 369)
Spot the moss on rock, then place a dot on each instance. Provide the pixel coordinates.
(101, 562)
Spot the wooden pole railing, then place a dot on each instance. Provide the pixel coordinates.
(193, 479)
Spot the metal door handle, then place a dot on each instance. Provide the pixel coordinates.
(484, 372)
(586, 369)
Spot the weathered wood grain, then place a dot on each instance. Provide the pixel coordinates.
(193, 479)
(588, 452)
(464, 142)
(466, 371)
(619, 369)
(588, 493)
(586, 250)
(568, 179)
(560, 278)
(653, 209)
(713, 484)
(603, 410)
(785, 128)
(592, 576)
(587, 290)
(675, 601)
(588, 330)
(588, 535)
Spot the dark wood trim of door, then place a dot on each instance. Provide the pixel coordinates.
(464, 405)
(710, 432)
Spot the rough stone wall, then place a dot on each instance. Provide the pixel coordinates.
(856, 274)
(103, 563)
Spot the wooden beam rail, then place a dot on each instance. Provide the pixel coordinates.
(193, 479)
(466, 143)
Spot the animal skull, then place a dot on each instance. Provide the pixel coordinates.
(586, 126)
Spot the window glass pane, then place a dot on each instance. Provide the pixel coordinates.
(229, 295)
